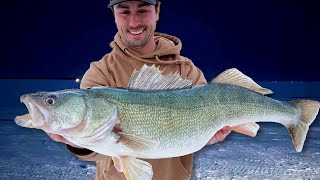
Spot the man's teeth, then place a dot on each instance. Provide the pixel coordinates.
(136, 32)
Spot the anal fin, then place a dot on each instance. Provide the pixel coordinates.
(249, 129)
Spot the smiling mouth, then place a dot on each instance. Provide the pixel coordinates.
(136, 32)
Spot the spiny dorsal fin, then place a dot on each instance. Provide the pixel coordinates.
(150, 78)
(235, 77)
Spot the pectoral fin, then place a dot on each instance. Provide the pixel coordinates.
(136, 143)
(135, 169)
(249, 129)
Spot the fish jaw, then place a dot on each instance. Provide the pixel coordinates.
(35, 118)
(24, 121)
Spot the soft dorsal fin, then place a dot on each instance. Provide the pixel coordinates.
(235, 77)
(151, 78)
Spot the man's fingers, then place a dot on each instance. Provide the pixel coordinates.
(226, 130)
(56, 137)
(220, 135)
(216, 138)
(59, 138)
(212, 140)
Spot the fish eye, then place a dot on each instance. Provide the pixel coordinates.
(51, 99)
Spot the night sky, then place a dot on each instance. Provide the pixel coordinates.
(266, 40)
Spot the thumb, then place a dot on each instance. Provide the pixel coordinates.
(59, 138)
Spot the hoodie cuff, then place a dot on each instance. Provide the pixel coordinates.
(78, 152)
(85, 154)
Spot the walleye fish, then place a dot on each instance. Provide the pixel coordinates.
(161, 116)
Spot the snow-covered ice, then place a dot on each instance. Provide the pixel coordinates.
(31, 154)
(261, 157)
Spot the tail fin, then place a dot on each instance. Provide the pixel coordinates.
(309, 111)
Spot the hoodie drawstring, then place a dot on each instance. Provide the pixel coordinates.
(157, 58)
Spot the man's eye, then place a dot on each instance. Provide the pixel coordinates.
(125, 12)
(143, 11)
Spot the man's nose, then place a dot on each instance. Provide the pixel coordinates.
(134, 21)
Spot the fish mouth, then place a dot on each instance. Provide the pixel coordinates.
(35, 118)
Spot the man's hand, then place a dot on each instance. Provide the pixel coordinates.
(220, 135)
(59, 138)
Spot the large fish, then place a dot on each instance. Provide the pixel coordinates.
(162, 116)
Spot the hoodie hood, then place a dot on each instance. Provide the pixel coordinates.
(166, 46)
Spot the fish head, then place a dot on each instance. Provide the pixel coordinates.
(55, 112)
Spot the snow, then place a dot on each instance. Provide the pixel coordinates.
(31, 154)
(261, 157)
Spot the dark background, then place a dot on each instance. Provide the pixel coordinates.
(267, 40)
(271, 40)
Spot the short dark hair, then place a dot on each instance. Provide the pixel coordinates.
(156, 6)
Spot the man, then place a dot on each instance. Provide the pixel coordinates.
(135, 44)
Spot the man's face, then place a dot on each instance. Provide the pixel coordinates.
(136, 22)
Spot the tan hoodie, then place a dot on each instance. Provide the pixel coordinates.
(114, 70)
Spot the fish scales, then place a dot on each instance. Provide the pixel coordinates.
(179, 118)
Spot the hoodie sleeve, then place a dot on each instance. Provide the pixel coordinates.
(190, 71)
(96, 75)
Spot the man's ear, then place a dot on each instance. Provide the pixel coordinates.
(158, 10)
